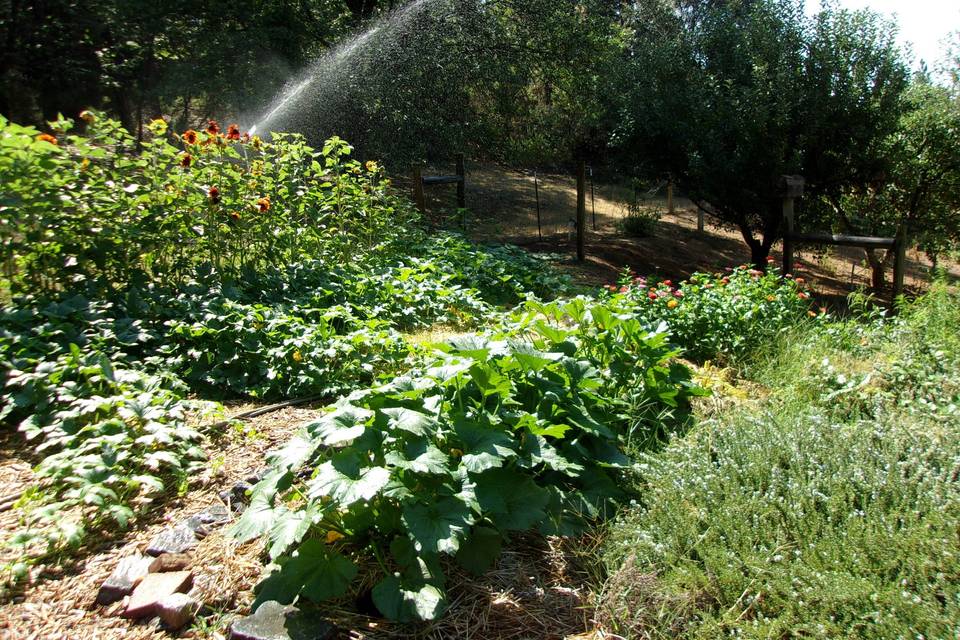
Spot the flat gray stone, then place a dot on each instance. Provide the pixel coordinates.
(152, 589)
(204, 522)
(176, 539)
(177, 610)
(125, 577)
(274, 621)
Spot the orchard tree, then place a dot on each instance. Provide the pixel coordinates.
(920, 194)
(729, 96)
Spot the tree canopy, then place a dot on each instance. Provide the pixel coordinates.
(728, 97)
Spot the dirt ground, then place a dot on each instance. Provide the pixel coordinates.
(503, 207)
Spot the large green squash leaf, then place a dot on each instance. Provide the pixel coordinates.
(316, 572)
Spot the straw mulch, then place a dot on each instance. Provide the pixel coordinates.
(58, 601)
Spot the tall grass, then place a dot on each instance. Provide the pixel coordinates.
(830, 509)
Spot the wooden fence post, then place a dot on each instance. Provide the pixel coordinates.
(670, 207)
(899, 261)
(700, 220)
(536, 192)
(462, 185)
(418, 196)
(581, 209)
(791, 187)
(788, 231)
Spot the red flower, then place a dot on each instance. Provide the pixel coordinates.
(233, 132)
(186, 160)
(624, 289)
(212, 127)
(668, 283)
(190, 136)
(214, 195)
(770, 260)
(802, 295)
(652, 296)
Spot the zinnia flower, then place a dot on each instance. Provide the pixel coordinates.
(652, 296)
(46, 137)
(233, 132)
(672, 304)
(212, 127)
(799, 280)
(264, 204)
(190, 136)
(214, 194)
(624, 289)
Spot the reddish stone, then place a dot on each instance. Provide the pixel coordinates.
(152, 589)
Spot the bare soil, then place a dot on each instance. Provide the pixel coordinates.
(502, 206)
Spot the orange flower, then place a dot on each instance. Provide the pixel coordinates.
(771, 299)
(233, 132)
(212, 127)
(803, 296)
(245, 138)
(264, 204)
(799, 280)
(190, 136)
(186, 160)
(235, 217)
(214, 195)
(46, 137)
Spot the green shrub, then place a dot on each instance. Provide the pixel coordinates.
(640, 221)
(719, 316)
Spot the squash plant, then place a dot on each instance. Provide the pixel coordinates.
(494, 435)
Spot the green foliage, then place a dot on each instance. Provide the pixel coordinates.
(718, 316)
(729, 97)
(829, 509)
(491, 435)
(187, 303)
(84, 209)
(921, 191)
(640, 220)
(111, 437)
